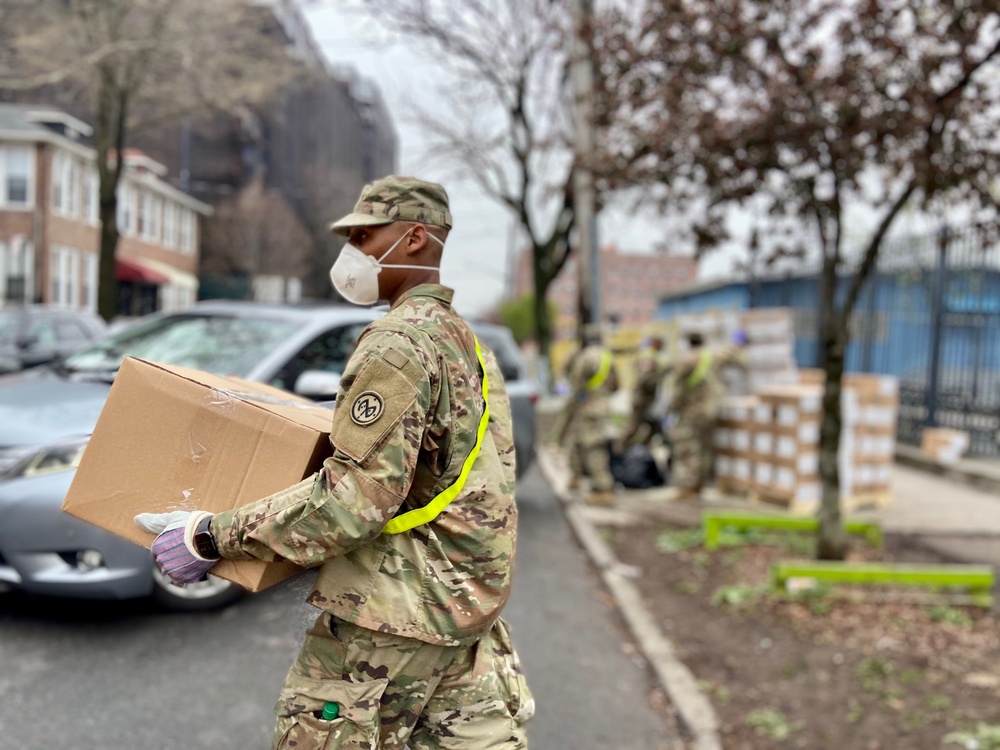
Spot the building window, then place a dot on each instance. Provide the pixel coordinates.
(72, 187)
(155, 212)
(90, 204)
(126, 209)
(65, 185)
(58, 182)
(88, 287)
(17, 169)
(64, 273)
(187, 228)
(170, 225)
(145, 199)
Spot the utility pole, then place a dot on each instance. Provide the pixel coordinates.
(584, 198)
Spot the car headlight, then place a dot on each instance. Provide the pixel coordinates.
(48, 459)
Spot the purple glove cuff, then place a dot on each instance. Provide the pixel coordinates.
(175, 559)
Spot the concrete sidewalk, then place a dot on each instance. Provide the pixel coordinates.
(944, 513)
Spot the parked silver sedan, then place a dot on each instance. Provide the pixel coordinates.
(48, 413)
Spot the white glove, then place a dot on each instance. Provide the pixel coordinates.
(157, 523)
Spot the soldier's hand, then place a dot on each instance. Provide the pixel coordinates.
(173, 549)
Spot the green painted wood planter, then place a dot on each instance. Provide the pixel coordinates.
(977, 580)
(714, 522)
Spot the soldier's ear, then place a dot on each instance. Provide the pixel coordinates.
(417, 240)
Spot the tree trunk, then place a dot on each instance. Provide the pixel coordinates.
(109, 134)
(832, 541)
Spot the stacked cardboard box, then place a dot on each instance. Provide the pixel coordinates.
(943, 445)
(787, 445)
(768, 444)
(770, 337)
(869, 408)
(734, 470)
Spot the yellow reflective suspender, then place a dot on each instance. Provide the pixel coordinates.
(419, 516)
(699, 373)
(598, 378)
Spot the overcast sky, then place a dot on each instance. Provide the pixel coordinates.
(478, 257)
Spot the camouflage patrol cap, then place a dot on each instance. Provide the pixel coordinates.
(397, 198)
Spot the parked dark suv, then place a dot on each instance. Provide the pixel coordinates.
(33, 335)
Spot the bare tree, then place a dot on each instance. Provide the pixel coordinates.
(830, 117)
(256, 232)
(500, 115)
(139, 64)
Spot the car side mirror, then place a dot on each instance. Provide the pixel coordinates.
(318, 385)
(26, 342)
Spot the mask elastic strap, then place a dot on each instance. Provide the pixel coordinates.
(402, 237)
(415, 268)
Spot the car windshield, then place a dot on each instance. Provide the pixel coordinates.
(8, 326)
(216, 344)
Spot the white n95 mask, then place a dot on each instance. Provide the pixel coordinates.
(355, 275)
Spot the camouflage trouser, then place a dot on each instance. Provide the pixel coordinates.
(692, 452)
(396, 693)
(588, 454)
(640, 428)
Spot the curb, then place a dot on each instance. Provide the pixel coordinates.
(693, 709)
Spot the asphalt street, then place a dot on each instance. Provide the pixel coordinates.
(100, 676)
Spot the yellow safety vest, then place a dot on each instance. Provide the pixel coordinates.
(598, 378)
(419, 516)
(704, 365)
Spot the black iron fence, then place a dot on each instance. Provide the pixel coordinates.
(930, 315)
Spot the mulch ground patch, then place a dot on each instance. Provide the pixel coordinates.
(821, 672)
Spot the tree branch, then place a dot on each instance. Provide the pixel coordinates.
(871, 252)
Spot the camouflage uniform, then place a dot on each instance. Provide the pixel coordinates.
(409, 641)
(651, 367)
(593, 380)
(697, 389)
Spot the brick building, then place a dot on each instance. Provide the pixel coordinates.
(631, 285)
(49, 225)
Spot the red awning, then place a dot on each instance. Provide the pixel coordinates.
(133, 269)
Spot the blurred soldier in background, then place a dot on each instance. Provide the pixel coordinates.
(698, 390)
(651, 367)
(586, 421)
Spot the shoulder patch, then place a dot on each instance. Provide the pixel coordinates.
(366, 408)
(364, 421)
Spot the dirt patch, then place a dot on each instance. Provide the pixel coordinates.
(823, 672)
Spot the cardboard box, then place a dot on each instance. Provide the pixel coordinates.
(944, 445)
(871, 385)
(812, 376)
(171, 438)
(738, 409)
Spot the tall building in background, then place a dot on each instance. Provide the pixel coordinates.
(305, 158)
(631, 285)
(275, 177)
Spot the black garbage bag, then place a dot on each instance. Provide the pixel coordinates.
(635, 468)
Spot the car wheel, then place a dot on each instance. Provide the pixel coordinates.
(212, 593)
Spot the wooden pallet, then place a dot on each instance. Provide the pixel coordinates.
(849, 504)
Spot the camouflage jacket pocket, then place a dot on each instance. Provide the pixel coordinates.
(301, 726)
(513, 687)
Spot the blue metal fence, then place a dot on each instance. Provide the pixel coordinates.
(928, 295)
